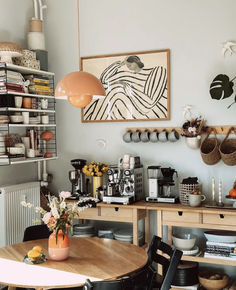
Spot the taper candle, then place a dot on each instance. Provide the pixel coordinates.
(213, 189)
(220, 191)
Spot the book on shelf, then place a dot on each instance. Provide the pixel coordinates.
(222, 256)
(221, 244)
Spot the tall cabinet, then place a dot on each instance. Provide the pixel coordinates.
(27, 115)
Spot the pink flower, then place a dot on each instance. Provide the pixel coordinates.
(65, 194)
(46, 217)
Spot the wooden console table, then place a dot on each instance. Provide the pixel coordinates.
(170, 215)
(120, 213)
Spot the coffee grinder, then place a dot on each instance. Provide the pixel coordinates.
(77, 178)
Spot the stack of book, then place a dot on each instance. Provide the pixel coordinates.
(11, 81)
(39, 85)
(216, 250)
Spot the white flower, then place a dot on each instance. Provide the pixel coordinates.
(55, 213)
(65, 194)
(63, 205)
(23, 203)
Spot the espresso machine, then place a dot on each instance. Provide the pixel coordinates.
(77, 178)
(125, 183)
(162, 184)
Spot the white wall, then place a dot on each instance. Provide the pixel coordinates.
(14, 21)
(194, 32)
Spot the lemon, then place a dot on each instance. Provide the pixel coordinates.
(33, 255)
(38, 249)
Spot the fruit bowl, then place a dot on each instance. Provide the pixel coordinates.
(213, 281)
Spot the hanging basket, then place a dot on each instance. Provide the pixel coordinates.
(210, 149)
(228, 149)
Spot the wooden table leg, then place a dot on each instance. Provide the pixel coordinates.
(135, 226)
(160, 234)
(147, 227)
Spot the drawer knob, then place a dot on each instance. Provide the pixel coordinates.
(222, 216)
(116, 208)
(180, 213)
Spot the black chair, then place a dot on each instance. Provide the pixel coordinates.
(140, 280)
(36, 232)
(169, 264)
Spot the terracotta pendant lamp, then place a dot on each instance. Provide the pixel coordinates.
(79, 87)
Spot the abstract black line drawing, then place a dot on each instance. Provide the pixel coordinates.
(137, 87)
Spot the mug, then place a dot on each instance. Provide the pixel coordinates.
(18, 101)
(154, 136)
(127, 137)
(163, 136)
(136, 136)
(173, 136)
(145, 136)
(25, 117)
(30, 153)
(195, 199)
(45, 119)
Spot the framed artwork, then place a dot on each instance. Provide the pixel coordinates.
(137, 87)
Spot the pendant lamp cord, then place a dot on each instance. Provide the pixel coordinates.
(78, 35)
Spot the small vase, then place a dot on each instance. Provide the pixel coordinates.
(97, 182)
(193, 142)
(58, 250)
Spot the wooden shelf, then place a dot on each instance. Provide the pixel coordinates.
(202, 259)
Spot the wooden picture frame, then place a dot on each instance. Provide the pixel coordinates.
(137, 87)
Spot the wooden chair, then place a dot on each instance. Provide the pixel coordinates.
(36, 232)
(169, 264)
(140, 280)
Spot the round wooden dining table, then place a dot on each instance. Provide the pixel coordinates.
(93, 258)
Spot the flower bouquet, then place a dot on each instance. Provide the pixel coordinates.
(59, 220)
(96, 170)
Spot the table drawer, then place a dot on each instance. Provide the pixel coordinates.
(89, 213)
(116, 212)
(219, 219)
(181, 216)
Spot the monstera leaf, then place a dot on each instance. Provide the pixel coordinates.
(221, 87)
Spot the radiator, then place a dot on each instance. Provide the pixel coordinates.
(14, 218)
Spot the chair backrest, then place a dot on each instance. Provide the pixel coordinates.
(36, 232)
(169, 264)
(140, 280)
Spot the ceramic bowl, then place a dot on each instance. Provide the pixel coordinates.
(16, 118)
(213, 281)
(184, 241)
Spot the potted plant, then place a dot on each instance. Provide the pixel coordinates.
(192, 129)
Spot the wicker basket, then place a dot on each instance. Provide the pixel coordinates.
(228, 149)
(210, 149)
(185, 189)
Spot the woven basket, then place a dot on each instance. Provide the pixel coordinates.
(210, 149)
(185, 189)
(228, 149)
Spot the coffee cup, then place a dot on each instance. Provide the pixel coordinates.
(145, 136)
(173, 136)
(127, 137)
(154, 136)
(136, 136)
(163, 136)
(195, 199)
(18, 101)
(25, 117)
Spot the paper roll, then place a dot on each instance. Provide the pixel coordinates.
(36, 40)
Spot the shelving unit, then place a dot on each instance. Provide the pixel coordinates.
(7, 107)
